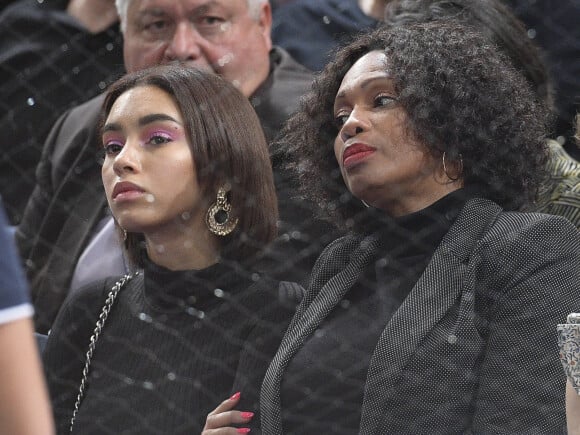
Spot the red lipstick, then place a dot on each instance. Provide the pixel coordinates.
(126, 190)
(355, 153)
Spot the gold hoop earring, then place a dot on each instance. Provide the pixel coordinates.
(218, 218)
(460, 168)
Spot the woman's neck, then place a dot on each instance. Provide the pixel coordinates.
(183, 249)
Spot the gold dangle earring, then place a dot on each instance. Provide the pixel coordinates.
(218, 218)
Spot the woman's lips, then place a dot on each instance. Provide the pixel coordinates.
(126, 191)
(355, 153)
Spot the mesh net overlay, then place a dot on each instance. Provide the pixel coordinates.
(173, 357)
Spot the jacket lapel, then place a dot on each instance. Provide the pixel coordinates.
(307, 319)
(438, 289)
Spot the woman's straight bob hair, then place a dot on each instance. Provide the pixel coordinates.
(228, 148)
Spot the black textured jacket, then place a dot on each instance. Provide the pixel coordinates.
(472, 349)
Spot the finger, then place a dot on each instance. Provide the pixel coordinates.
(226, 431)
(227, 404)
(227, 418)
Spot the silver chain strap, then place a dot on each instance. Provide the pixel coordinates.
(97, 332)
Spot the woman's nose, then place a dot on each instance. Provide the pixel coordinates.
(354, 125)
(127, 160)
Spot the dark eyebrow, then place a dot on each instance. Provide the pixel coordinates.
(111, 127)
(147, 119)
(363, 85)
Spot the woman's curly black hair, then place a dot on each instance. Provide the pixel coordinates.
(461, 97)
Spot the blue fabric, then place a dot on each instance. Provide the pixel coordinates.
(311, 30)
(13, 285)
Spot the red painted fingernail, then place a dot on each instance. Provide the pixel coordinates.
(235, 396)
(247, 415)
(243, 430)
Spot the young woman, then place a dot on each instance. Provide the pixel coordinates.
(436, 313)
(188, 179)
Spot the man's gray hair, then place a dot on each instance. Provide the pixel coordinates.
(123, 7)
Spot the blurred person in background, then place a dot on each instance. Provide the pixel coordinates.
(569, 352)
(311, 30)
(553, 26)
(54, 55)
(24, 404)
(572, 410)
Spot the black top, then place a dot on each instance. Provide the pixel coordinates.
(471, 348)
(325, 381)
(169, 351)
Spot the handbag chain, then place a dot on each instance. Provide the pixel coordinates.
(112, 296)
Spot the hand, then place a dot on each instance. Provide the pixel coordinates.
(569, 344)
(219, 421)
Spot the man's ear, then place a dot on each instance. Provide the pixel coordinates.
(265, 22)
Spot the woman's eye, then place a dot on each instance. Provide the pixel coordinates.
(340, 120)
(112, 148)
(158, 139)
(384, 100)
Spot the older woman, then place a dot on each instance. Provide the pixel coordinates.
(188, 179)
(436, 313)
